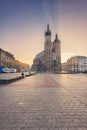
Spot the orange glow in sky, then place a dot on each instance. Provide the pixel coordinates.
(22, 27)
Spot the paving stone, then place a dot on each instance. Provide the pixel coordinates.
(44, 102)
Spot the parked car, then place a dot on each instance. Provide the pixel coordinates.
(13, 70)
(6, 70)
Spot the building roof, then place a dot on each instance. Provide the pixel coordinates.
(39, 54)
(7, 53)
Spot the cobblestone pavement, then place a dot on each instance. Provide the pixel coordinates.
(44, 102)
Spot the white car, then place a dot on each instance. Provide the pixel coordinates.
(6, 70)
(13, 70)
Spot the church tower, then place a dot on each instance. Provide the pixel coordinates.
(56, 55)
(48, 49)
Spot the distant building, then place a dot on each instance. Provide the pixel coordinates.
(20, 66)
(50, 58)
(77, 64)
(64, 66)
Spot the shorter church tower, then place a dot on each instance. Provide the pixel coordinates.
(56, 55)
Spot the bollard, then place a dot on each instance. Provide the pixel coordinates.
(22, 75)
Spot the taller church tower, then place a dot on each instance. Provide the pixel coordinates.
(48, 49)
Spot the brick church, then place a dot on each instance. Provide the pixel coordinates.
(50, 58)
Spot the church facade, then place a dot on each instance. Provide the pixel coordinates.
(50, 58)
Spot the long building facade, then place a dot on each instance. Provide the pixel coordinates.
(77, 64)
(50, 58)
(7, 60)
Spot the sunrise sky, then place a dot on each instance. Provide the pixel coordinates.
(23, 23)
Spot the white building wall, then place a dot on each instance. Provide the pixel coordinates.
(77, 64)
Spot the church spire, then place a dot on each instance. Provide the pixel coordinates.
(47, 27)
(56, 39)
(48, 32)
